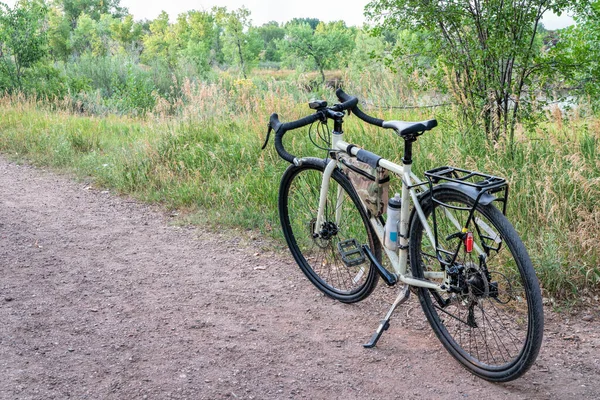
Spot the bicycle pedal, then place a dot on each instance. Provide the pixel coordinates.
(351, 252)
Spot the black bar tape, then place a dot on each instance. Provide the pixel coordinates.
(281, 150)
(357, 111)
(367, 157)
(342, 96)
(288, 126)
(281, 129)
(367, 118)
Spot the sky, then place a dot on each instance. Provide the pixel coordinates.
(262, 11)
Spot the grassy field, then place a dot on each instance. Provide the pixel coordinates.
(201, 155)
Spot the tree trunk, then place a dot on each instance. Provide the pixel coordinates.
(239, 46)
(18, 71)
(320, 66)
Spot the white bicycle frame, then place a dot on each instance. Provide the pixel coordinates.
(398, 259)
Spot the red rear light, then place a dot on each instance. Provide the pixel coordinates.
(469, 242)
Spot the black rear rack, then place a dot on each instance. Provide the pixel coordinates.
(479, 180)
(484, 184)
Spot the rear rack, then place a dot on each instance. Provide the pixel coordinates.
(482, 183)
(479, 180)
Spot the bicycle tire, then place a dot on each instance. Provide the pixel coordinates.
(495, 329)
(320, 258)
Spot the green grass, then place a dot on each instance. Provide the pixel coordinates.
(204, 158)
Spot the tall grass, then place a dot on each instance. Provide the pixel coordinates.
(200, 152)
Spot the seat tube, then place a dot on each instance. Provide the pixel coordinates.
(405, 210)
(404, 217)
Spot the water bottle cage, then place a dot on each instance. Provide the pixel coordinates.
(402, 247)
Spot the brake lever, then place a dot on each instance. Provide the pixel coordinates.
(268, 135)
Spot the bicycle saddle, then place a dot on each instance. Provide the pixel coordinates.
(403, 128)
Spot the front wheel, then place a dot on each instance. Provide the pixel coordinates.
(490, 318)
(330, 255)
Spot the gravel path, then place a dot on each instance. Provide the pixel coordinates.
(104, 298)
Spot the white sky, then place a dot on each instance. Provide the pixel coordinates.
(262, 11)
(351, 11)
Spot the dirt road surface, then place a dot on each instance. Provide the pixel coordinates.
(105, 298)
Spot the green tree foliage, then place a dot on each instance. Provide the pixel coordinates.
(23, 39)
(489, 50)
(73, 9)
(59, 34)
(96, 26)
(161, 42)
(328, 46)
(366, 48)
(312, 22)
(575, 52)
(241, 42)
(92, 36)
(271, 34)
(198, 39)
(127, 33)
(193, 39)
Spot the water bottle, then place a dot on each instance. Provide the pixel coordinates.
(392, 222)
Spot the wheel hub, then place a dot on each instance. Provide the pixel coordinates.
(327, 232)
(468, 280)
(477, 284)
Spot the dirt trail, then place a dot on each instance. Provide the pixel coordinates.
(103, 298)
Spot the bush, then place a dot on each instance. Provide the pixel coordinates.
(100, 72)
(45, 81)
(135, 95)
(111, 84)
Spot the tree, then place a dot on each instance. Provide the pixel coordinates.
(575, 53)
(23, 40)
(271, 33)
(59, 33)
(241, 42)
(312, 22)
(328, 46)
(73, 9)
(198, 35)
(161, 42)
(489, 49)
(127, 33)
(92, 36)
(366, 49)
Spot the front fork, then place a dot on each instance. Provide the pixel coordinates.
(323, 199)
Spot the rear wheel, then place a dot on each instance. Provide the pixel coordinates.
(492, 318)
(330, 255)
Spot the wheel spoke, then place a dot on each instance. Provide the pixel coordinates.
(487, 320)
(319, 257)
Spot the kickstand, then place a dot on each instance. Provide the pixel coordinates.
(385, 323)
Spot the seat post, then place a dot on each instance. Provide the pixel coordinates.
(407, 158)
